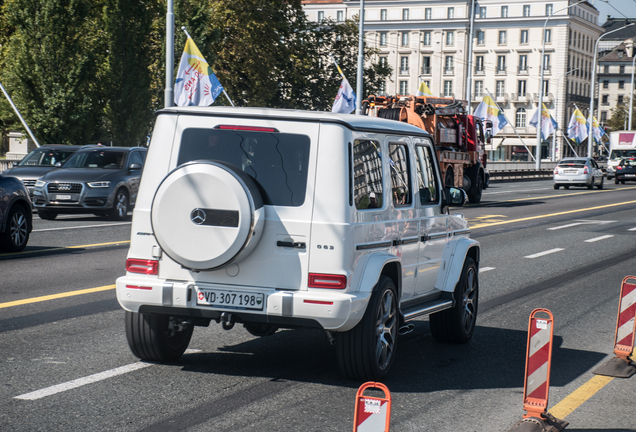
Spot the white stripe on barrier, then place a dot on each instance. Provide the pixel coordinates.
(537, 378)
(625, 330)
(539, 340)
(628, 300)
(375, 422)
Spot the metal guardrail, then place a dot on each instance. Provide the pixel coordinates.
(6, 164)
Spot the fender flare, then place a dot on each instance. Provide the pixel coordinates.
(369, 269)
(455, 253)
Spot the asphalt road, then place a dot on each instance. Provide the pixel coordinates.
(65, 362)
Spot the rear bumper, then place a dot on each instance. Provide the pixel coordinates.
(323, 308)
(573, 180)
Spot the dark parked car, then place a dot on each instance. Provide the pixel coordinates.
(96, 179)
(625, 170)
(15, 214)
(40, 161)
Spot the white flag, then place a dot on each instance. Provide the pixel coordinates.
(345, 99)
(195, 84)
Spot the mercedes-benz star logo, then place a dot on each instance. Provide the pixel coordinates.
(197, 216)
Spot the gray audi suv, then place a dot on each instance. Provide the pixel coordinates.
(96, 179)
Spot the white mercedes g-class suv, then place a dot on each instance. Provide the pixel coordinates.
(281, 218)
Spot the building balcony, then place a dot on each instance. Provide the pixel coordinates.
(578, 98)
(448, 70)
(426, 70)
(501, 70)
(502, 97)
(404, 71)
(547, 97)
(521, 97)
(479, 70)
(522, 70)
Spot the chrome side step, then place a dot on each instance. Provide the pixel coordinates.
(427, 309)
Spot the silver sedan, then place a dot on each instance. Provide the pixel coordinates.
(578, 171)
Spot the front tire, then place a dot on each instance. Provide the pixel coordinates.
(16, 234)
(366, 352)
(457, 324)
(120, 206)
(156, 338)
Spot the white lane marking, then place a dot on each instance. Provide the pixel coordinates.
(59, 388)
(485, 269)
(580, 222)
(83, 226)
(514, 191)
(548, 252)
(632, 229)
(39, 394)
(599, 238)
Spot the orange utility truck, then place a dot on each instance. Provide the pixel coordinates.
(460, 138)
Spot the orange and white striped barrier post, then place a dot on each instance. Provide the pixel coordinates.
(536, 386)
(372, 414)
(621, 366)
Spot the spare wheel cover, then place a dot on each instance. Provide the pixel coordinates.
(207, 214)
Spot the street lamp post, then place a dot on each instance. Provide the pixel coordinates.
(590, 139)
(631, 96)
(537, 158)
(556, 110)
(169, 91)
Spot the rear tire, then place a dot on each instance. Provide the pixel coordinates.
(155, 338)
(16, 234)
(477, 185)
(366, 352)
(556, 187)
(622, 181)
(590, 187)
(615, 181)
(566, 187)
(260, 330)
(600, 186)
(456, 325)
(47, 215)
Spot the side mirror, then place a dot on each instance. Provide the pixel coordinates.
(59, 164)
(134, 166)
(456, 197)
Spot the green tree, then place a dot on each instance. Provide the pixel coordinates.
(50, 70)
(620, 117)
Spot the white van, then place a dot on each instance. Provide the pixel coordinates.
(622, 145)
(284, 219)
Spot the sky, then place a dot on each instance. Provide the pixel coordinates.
(627, 7)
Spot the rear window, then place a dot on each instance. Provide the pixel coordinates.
(578, 163)
(97, 159)
(278, 162)
(618, 154)
(46, 157)
(628, 162)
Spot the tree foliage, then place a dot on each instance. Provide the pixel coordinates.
(620, 117)
(84, 72)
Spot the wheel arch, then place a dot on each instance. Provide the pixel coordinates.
(27, 207)
(372, 267)
(454, 256)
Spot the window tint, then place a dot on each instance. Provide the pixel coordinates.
(426, 179)
(44, 157)
(367, 174)
(135, 157)
(97, 159)
(573, 162)
(276, 161)
(400, 175)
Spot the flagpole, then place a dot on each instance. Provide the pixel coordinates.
(567, 140)
(337, 66)
(513, 128)
(360, 61)
(26, 126)
(169, 91)
(190, 37)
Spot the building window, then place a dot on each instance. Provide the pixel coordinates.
(621, 84)
(548, 36)
(448, 88)
(450, 38)
(605, 100)
(523, 63)
(481, 38)
(501, 63)
(383, 61)
(546, 87)
(405, 39)
(427, 38)
(605, 84)
(620, 99)
(404, 65)
(520, 121)
(504, 11)
(524, 37)
(383, 39)
(621, 69)
(451, 13)
(340, 16)
(405, 14)
(382, 14)
(367, 174)
(479, 63)
(479, 88)
(548, 9)
(321, 16)
(605, 69)
(502, 37)
(482, 12)
(382, 89)
(448, 65)
(521, 88)
(526, 10)
(428, 13)
(546, 62)
(426, 65)
(500, 88)
(603, 116)
(404, 87)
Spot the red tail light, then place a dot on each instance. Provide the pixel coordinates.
(556, 170)
(586, 170)
(148, 267)
(317, 280)
(619, 167)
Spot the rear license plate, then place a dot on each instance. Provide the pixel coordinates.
(230, 299)
(570, 171)
(62, 197)
(630, 175)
